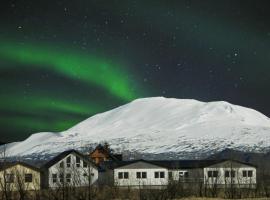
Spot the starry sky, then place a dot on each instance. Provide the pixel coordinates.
(62, 61)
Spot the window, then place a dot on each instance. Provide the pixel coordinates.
(141, 175)
(54, 178)
(120, 175)
(84, 174)
(162, 174)
(247, 173)
(68, 161)
(10, 178)
(78, 161)
(159, 174)
(213, 174)
(244, 173)
(61, 178)
(62, 164)
(84, 164)
(183, 174)
(144, 175)
(28, 178)
(233, 173)
(250, 173)
(170, 175)
(229, 174)
(123, 175)
(68, 178)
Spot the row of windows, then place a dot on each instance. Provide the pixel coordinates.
(182, 174)
(247, 173)
(61, 178)
(231, 173)
(140, 175)
(68, 162)
(68, 177)
(28, 178)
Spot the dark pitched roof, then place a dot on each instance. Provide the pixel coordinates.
(116, 164)
(63, 155)
(185, 164)
(237, 161)
(193, 164)
(7, 165)
(169, 164)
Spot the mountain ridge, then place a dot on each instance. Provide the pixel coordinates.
(160, 125)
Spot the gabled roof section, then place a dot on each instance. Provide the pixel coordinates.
(4, 166)
(230, 160)
(64, 154)
(169, 164)
(184, 164)
(118, 164)
(193, 164)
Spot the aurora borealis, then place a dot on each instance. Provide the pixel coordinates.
(64, 61)
(73, 65)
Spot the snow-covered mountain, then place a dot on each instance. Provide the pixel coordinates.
(160, 125)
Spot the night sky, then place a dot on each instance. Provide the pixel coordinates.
(62, 61)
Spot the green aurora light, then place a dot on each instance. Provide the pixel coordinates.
(74, 65)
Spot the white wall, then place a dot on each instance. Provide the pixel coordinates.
(134, 181)
(77, 173)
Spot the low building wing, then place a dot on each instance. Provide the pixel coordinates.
(19, 175)
(230, 172)
(139, 173)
